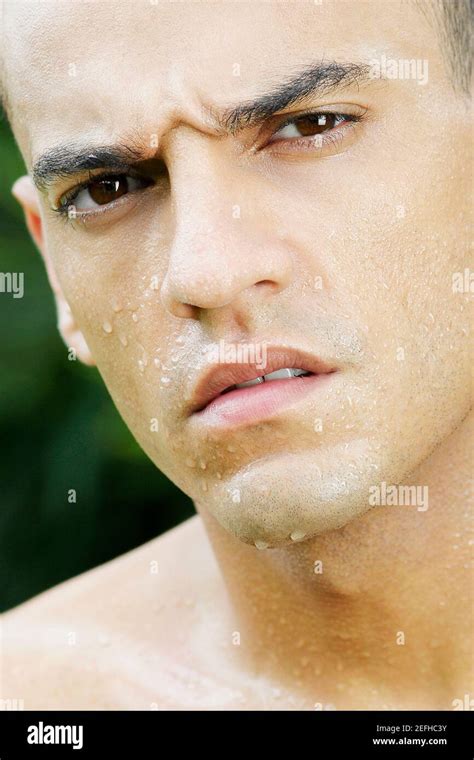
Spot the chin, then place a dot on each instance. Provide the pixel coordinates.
(289, 498)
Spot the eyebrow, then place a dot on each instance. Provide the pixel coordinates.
(68, 160)
(317, 81)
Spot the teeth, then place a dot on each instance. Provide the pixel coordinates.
(285, 373)
(279, 374)
(298, 372)
(255, 381)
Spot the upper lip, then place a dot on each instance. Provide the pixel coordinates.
(217, 377)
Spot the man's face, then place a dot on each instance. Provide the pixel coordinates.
(336, 241)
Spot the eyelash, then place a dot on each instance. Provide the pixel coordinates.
(332, 136)
(67, 199)
(322, 137)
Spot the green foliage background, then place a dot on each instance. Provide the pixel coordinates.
(60, 430)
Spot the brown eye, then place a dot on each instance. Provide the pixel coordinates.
(108, 189)
(309, 125)
(315, 124)
(103, 191)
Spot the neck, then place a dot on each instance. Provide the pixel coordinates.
(372, 615)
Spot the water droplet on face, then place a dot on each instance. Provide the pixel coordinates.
(116, 305)
(261, 544)
(124, 340)
(135, 317)
(218, 476)
(190, 462)
(143, 362)
(165, 380)
(156, 362)
(202, 465)
(107, 327)
(297, 535)
(231, 448)
(179, 339)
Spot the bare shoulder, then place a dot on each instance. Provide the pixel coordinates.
(94, 641)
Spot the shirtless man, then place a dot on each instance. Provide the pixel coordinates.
(221, 191)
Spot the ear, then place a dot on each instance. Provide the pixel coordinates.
(26, 194)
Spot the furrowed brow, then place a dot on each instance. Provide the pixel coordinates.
(319, 80)
(69, 160)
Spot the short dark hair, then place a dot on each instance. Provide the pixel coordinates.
(452, 20)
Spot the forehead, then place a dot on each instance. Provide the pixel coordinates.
(99, 68)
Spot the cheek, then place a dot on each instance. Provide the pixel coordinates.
(111, 280)
(112, 287)
(388, 253)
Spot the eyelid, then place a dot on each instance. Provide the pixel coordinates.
(66, 198)
(279, 121)
(106, 213)
(339, 109)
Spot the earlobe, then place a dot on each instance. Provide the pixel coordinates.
(27, 196)
(72, 336)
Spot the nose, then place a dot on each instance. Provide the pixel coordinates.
(223, 246)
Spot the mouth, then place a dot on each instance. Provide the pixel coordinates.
(242, 393)
(285, 373)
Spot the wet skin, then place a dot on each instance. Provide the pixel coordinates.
(334, 244)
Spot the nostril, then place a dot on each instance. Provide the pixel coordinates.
(185, 310)
(267, 283)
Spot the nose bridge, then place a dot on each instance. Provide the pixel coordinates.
(202, 191)
(215, 251)
(203, 234)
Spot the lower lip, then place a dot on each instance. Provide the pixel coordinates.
(258, 402)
